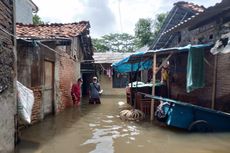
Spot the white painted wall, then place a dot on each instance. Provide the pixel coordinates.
(24, 12)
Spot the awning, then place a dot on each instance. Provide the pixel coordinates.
(142, 63)
(143, 60)
(136, 57)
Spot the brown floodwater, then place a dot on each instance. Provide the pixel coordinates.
(98, 129)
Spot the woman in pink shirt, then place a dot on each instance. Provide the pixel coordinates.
(76, 92)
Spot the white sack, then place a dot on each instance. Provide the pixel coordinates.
(25, 102)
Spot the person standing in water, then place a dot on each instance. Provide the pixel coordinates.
(76, 92)
(94, 92)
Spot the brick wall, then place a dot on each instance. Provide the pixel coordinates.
(204, 95)
(69, 71)
(179, 86)
(36, 111)
(223, 83)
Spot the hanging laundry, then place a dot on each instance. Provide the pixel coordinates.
(195, 69)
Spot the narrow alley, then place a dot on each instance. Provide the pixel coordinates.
(98, 129)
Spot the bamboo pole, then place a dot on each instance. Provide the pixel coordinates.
(153, 88)
(214, 82)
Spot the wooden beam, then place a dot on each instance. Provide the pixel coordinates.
(214, 82)
(206, 61)
(153, 88)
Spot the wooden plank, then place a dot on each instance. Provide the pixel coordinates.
(7, 4)
(5, 10)
(153, 88)
(214, 82)
(7, 18)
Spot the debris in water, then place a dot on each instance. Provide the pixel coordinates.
(132, 115)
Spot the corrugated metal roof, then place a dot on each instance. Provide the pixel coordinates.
(109, 57)
(198, 18)
(180, 12)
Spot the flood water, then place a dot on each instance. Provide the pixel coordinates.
(98, 129)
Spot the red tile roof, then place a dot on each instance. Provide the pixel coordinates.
(191, 6)
(51, 31)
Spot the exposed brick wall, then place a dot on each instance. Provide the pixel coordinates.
(68, 73)
(36, 111)
(223, 83)
(204, 95)
(223, 75)
(205, 34)
(179, 86)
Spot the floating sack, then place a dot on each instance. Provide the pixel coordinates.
(25, 102)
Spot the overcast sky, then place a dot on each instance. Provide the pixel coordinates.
(104, 14)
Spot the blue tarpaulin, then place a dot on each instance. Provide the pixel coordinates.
(124, 66)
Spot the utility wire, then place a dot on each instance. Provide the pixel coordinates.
(120, 19)
(16, 37)
(51, 49)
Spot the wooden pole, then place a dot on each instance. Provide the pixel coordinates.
(153, 88)
(214, 83)
(131, 88)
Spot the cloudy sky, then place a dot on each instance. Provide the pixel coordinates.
(104, 15)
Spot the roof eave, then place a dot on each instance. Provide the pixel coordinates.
(35, 8)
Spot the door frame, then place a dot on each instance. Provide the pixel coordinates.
(53, 89)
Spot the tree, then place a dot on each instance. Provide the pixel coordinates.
(146, 30)
(99, 45)
(143, 32)
(115, 42)
(158, 22)
(37, 20)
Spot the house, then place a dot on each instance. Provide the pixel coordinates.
(24, 11)
(112, 83)
(203, 28)
(180, 12)
(49, 62)
(7, 76)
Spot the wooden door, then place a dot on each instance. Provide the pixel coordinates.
(49, 88)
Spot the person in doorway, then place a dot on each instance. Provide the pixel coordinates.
(94, 92)
(165, 80)
(76, 92)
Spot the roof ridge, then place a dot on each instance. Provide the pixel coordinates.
(53, 30)
(52, 24)
(189, 5)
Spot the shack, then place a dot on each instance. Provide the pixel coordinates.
(199, 33)
(112, 83)
(49, 61)
(195, 44)
(206, 27)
